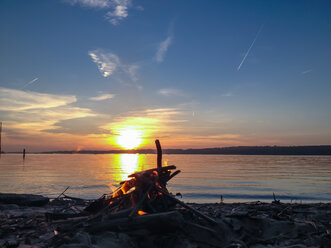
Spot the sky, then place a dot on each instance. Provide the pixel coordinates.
(84, 74)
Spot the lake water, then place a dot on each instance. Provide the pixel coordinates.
(204, 178)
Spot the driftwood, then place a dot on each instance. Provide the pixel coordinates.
(23, 199)
(168, 221)
(187, 207)
(159, 154)
(164, 168)
(141, 201)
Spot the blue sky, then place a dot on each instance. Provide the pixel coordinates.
(73, 73)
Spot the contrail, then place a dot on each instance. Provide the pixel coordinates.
(31, 82)
(249, 49)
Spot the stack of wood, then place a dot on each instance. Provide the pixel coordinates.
(144, 193)
(141, 203)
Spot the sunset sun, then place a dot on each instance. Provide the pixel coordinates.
(129, 138)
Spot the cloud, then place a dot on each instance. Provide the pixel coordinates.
(30, 119)
(132, 71)
(117, 10)
(307, 71)
(18, 100)
(91, 3)
(119, 13)
(170, 92)
(222, 136)
(151, 122)
(109, 63)
(249, 49)
(106, 62)
(229, 94)
(163, 48)
(79, 126)
(102, 97)
(31, 82)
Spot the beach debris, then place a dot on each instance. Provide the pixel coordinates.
(23, 199)
(275, 201)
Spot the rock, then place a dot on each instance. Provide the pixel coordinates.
(23, 199)
(82, 238)
(9, 207)
(111, 239)
(28, 246)
(75, 246)
(11, 243)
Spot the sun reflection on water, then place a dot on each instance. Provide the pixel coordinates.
(127, 164)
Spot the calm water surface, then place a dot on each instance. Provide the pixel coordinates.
(204, 178)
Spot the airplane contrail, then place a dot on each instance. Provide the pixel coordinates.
(249, 49)
(31, 82)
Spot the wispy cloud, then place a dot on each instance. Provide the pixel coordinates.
(18, 100)
(31, 82)
(163, 48)
(150, 122)
(222, 136)
(91, 3)
(102, 97)
(117, 10)
(228, 94)
(28, 111)
(80, 126)
(106, 62)
(131, 70)
(109, 63)
(249, 49)
(171, 92)
(307, 71)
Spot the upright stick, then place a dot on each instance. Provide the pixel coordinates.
(159, 154)
(0, 136)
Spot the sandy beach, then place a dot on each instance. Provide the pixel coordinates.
(254, 224)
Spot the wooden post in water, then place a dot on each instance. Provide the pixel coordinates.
(159, 154)
(23, 153)
(0, 136)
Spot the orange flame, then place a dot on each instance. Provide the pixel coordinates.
(140, 212)
(126, 186)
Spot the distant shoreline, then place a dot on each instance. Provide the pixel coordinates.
(238, 150)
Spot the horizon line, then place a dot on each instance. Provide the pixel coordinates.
(235, 150)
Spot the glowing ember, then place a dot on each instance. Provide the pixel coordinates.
(140, 212)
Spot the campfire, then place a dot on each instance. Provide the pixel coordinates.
(145, 192)
(141, 203)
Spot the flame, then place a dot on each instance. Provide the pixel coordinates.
(140, 212)
(126, 186)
